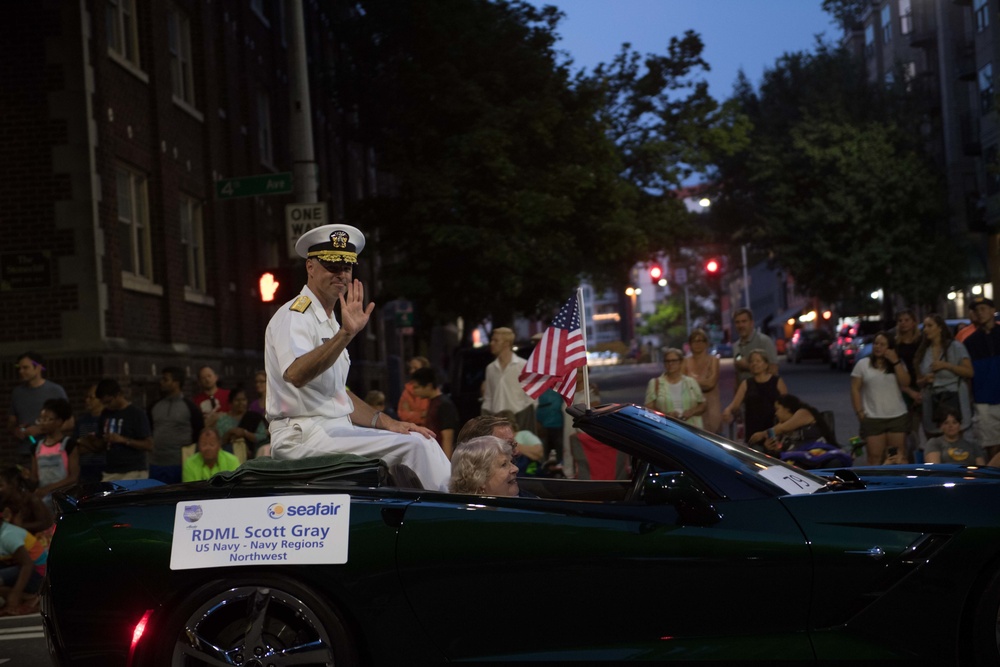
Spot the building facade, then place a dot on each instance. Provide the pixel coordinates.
(123, 120)
(945, 51)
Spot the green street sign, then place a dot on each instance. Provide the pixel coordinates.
(254, 186)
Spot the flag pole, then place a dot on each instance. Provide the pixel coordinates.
(583, 332)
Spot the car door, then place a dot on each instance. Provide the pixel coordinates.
(501, 578)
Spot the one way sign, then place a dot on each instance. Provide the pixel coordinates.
(299, 219)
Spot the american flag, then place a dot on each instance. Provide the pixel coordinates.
(559, 353)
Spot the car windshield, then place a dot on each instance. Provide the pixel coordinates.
(788, 478)
(676, 436)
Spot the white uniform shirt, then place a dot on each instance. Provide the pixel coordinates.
(290, 334)
(503, 389)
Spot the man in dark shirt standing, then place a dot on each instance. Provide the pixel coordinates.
(176, 423)
(88, 423)
(442, 415)
(907, 341)
(984, 350)
(124, 431)
(26, 402)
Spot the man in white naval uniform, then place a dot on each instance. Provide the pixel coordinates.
(310, 409)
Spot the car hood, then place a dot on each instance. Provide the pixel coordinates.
(907, 476)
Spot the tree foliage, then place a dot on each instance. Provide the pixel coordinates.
(510, 177)
(837, 185)
(846, 12)
(667, 322)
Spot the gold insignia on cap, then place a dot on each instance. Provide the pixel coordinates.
(339, 239)
(300, 304)
(334, 256)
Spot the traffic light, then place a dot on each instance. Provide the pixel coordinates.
(713, 268)
(276, 285)
(657, 275)
(268, 286)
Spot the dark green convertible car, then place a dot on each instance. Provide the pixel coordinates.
(708, 552)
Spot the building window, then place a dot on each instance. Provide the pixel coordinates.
(133, 224)
(869, 40)
(985, 80)
(283, 26)
(886, 24)
(264, 135)
(990, 157)
(981, 9)
(123, 30)
(909, 74)
(193, 244)
(905, 17)
(179, 41)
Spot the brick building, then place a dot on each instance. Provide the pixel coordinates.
(119, 118)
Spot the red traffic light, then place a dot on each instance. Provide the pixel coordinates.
(268, 284)
(655, 272)
(712, 266)
(277, 284)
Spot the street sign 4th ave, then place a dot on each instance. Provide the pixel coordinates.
(254, 186)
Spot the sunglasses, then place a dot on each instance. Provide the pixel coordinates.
(336, 267)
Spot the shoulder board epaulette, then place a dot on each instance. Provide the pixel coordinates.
(300, 304)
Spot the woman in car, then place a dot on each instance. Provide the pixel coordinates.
(759, 391)
(704, 368)
(484, 466)
(877, 395)
(675, 394)
(942, 365)
(797, 424)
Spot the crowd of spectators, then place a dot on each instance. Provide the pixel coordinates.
(115, 439)
(924, 393)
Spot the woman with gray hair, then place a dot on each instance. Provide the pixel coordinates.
(485, 466)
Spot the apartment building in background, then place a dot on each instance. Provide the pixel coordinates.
(946, 50)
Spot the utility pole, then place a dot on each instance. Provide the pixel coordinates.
(305, 176)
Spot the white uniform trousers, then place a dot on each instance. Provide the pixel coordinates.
(301, 437)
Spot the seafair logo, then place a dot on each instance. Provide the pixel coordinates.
(192, 513)
(277, 510)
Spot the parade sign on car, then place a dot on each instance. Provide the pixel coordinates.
(279, 530)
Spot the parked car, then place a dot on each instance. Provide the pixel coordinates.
(812, 344)
(709, 551)
(850, 337)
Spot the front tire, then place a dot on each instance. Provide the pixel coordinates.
(265, 620)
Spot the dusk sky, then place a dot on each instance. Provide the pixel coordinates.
(747, 34)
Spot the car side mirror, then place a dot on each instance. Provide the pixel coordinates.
(676, 489)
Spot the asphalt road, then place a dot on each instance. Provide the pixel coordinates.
(812, 381)
(22, 642)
